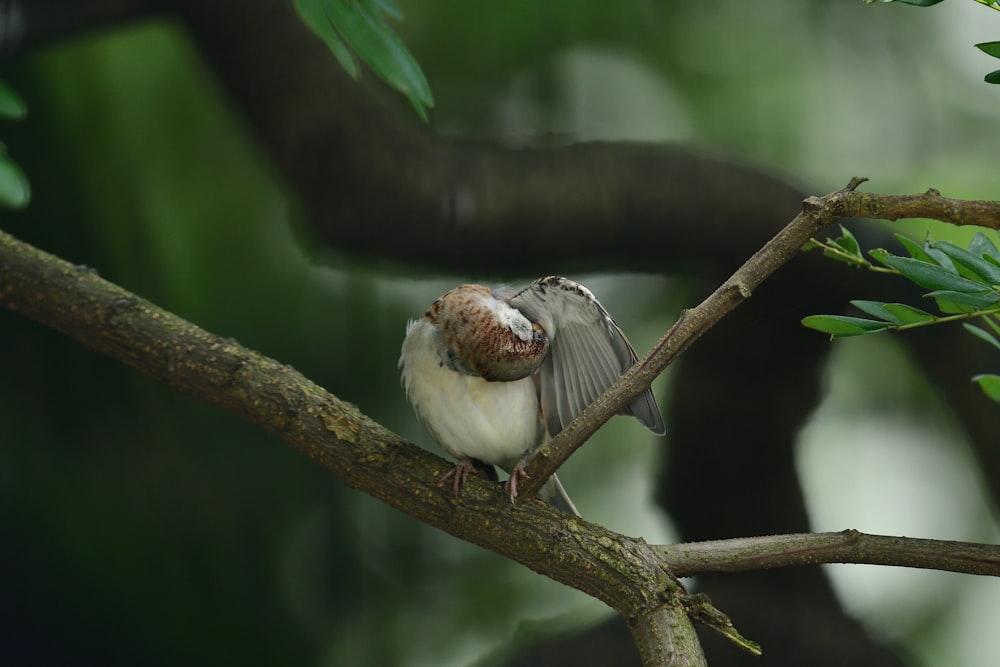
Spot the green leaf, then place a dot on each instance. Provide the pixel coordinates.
(952, 308)
(360, 25)
(15, 192)
(894, 313)
(853, 260)
(982, 246)
(983, 334)
(876, 309)
(839, 325)
(909, 314)
(990, 384)
(879, 254)
(848, 243)
(992, 77)
(977, 300)
(954, 303)
(920, 251)
(311, 12)
(916, 3)
(12, 106)
(977, 266)
(991, 48)
(939, 258)
(932, 276)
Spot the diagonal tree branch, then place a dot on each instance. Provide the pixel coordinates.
(627, 574)
(623, 572)
(619, 197)
(817, 213)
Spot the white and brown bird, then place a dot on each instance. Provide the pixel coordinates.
(492, 373)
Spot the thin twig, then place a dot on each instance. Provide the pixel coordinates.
(848, 546)
(624, 572)
(817, 213)
(928, 205)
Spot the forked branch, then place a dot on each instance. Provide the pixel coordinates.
(817, 213)
(636, 580)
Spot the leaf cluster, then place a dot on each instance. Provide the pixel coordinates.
(358, 26)
(963, 282)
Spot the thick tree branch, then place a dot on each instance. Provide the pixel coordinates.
(342, 154)
(817, 213)
(462, 205)
(623, 572)
(456, 205)
(659, 640)
(848, 546)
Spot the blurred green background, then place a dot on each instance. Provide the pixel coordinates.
(140, 527)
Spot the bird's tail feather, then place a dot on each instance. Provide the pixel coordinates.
(554, 493)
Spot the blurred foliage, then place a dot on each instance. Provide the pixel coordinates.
(125, 506)
(139, 526)
(990, 48)
(346, 25)
(15, 192)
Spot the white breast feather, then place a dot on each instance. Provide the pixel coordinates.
(495, 422)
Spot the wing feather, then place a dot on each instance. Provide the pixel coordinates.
(588, 352)
(591, 365)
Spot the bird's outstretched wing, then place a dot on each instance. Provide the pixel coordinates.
(588, 352)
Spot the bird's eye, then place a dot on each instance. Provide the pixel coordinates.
(537, 332)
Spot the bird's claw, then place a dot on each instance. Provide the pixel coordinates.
(516, 475)
(460, 473)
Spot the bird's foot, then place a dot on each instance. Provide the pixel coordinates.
(461, 472)
(516, 475)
